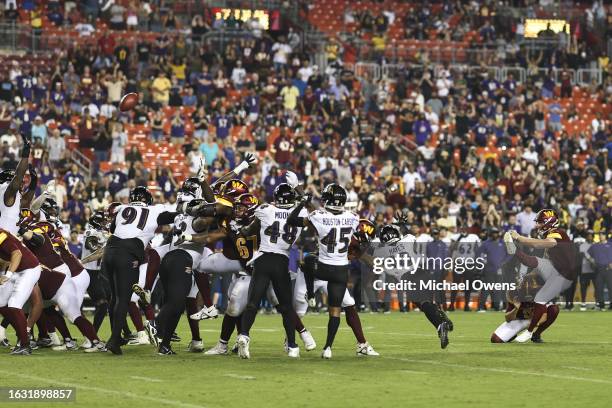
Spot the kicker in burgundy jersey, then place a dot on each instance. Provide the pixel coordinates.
(50, 282)
(563, 255)
(10, 243)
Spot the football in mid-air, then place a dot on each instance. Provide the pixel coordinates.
(128, 102)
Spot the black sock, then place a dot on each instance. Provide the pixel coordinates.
(99, 314)
(227, 327)
(332, 329)
(433, 313)
(5, 323)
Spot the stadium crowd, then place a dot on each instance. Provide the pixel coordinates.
(453, 149)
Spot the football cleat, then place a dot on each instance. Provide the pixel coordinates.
(243, 346)
(234, 349)
(114, 348)
(175, 338)
(143, 294)
(326, 354)
(151, 332)
(69, 345)
(365, 349)
(536, 339)
(205, 313)
(449, 325)
(44, 342)
(293, 352)
(96, 347)
(141, 338)
(218, 350)
(55, 339)
(524, 337)
(21, 350)
(583, 307)
(5, 343)
(309, 341)
(443, 334)
(86, 344)
(33, 343)
(195, 346)
(165, 351)
(509, 242)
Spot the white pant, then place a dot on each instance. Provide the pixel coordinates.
(67, 298)
(218, 263)
(81, 282)
(299, 294)
(508, 330)
(63, 268)
(238, 293)
(554, 282)
(16, 292)
(142, 277)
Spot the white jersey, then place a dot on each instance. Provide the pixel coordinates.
(466, 246)
(183, 224)
(137, 221)
(101, 237)
(9, 216)
(334, 232)
(276, 235)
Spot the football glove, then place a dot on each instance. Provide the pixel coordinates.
(292, 179)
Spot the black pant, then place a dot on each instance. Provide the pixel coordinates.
(337, 278)
(176, 277)
(122, 258)
(274, 268)
(99, 286)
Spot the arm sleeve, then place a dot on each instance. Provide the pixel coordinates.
(296, 217)
(167, 217)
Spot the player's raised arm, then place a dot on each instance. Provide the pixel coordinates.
(294, 217)
(250, 160)
(29, 195)
(252, 228)
(17, 181)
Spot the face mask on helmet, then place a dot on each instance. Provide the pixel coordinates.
(26, 217)
(191, 188)
(390, 234)
(50, 209)
(244, 208)
(546, 220)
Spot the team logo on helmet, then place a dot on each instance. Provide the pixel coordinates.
(233, 188)
(366, 231)
(546, 220)
(284, 196)
(390, 234)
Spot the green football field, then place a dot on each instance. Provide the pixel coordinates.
(573, 368)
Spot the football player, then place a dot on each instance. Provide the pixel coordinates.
(394, 243)
(335, 228)
(463, 246)
(16, 285)
(132, 229)
(10, 195)
(271, 264)
(557, 268)
(366, 231)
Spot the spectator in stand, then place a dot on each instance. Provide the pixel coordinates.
(73, 180)
(161, 89)
(282, 149)
(119, 142)
(115, 180)
(526, 220)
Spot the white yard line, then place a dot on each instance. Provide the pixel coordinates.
(239, 377)
(504, 371)
(148, 379)
(101, 390)
(577, 368)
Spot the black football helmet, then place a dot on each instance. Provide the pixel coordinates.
(6, 176)
(334, 197)
(191, 186)
(284, 196)
(50, 209)
(141, 194)
(390, 234)
(98, 221)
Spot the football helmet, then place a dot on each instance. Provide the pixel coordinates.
(26, 217)
(390, 234)
(141, 194)
(284, 196)
(233, 188)
(98, 221)
(50, 209)
(191, 187)
(334, 197)
(6, 176)
(366, 231)
(546, 220)
(244, 208)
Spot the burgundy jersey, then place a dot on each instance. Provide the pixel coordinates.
(524, 311)
(75, 266)
(50, 282)
(354, 249)
(10, 243)
(45, 253)
(563, 255)
(240, 248)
